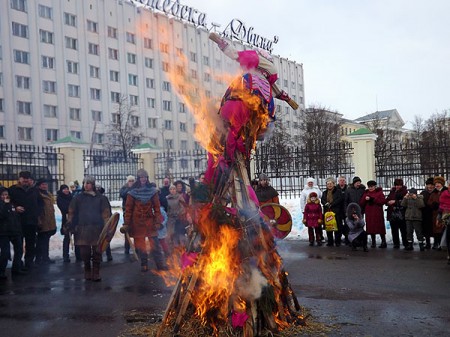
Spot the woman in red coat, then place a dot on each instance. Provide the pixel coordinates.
(372, 202)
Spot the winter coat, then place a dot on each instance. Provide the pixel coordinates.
(397, 196)
(142, 212)
(163, 193)
(444, 201)
(433, 203)
(9, 220)
(353, 194)
(30, 199)
(427, 215)
(46, 220)
(313, 213)
(336, 205)
(305, 194)
(413, 207)
(123, 192)
(373, 210)
(356, 227)
(176, 205)
(266, 194)
(88, 213)
(63, 202)
(343, 190)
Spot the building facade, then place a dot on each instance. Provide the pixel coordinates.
(65, 65)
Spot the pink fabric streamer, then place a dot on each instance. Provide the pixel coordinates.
(248, 59)
(238, 319)
(252, 195)
(188, 259)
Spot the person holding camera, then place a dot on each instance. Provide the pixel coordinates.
(413, 204)
(356, 234)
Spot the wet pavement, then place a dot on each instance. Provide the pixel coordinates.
(384, 292)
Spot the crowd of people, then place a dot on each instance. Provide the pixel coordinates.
(156, 220)
(353, 212)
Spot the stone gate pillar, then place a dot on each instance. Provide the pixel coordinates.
(73, 164)
(363, 143)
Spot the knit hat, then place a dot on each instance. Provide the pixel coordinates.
(263, 176)
(141, 173)
(130, 178)
(356, 179)
(25, 174)
(439, 179)
(89, 180)
(398, 182)
(412, 191)
(310, 180)
(430, 181)
(62, 187)
(41, 181)
(312, 195)
(371, 183)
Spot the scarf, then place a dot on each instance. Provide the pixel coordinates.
(143, 193)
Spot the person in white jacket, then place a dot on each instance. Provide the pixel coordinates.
(309, 187)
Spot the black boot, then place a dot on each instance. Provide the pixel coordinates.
(409, 246)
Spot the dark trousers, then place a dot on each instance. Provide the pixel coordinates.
(155, 251)
(360, 240)
(337, 238)
(314, 230)
(29, 236)
(66, 248)
(42, 246)
(90, 253)
(5, 252)
(397, 226)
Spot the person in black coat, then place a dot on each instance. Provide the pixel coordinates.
(10, 232)
(63, 199)
(332, 200)
(123, 193)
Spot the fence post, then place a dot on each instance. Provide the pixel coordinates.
(148, 154)
(363, 143)
(73, 163)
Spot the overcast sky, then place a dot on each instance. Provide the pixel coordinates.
(358, 55)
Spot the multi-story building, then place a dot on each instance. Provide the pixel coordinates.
(65, 65)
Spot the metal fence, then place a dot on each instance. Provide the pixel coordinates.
(43, 162)
(180, 165)
(110, 169)
(289, 167)
(414, 163)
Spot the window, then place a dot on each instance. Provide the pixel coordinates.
(50, 110)
(179, 51)
(115, 97)
(19, 5)
(23, 108)
(21, 56)
(131, 38)
(134, 100)
(1, 79)
(180, 70)
(48, 62)
(168, 143)
(94, 72)
(208, 93)
(165, 66)
(72, 67)
(71, 43)
(285, 83)
(46, 36)
(150, 83)
(164, 47)
(49, 87)
(182, 127)
(147, 43)
(92, 26)
(193, 57)
(152, 123)
(148, 62)
(194, 74)
(183, 147)
(95, 94)
(2, 131)
(70, 19)
(25, 133)
(45, 12)
(206, 60)
(98, 138)
(20, 30)
(286, 109)
(23, 82)
(112, 32)
(151, 103)
(181, 107)
(113, 54)
(114, 76)
(93, 48)
(96, 115)
(135, 121)
(76, 134)
(166, 86)
(75, 114)
(74, 90)
(51, 135)
(168, 124)
(115, 118)
(167, 105)
(1, 104)
(131, 58)
(132, 79)
(197, 146)
(153, 141)
(207, 77)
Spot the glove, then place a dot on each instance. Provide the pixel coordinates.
(304, 221)
(320, 221)
(124, 229)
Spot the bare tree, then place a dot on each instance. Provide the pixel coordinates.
(124, 129)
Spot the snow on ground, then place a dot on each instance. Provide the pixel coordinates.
(298, 232)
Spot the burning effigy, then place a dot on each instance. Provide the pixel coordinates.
(231, 280)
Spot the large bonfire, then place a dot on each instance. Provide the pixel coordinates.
(230, 281)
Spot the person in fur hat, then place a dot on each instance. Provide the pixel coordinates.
(433, 203)
(396, 213)
(355, 222)
(372, 202)
(312, 218)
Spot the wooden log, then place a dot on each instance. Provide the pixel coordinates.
(185, 303)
